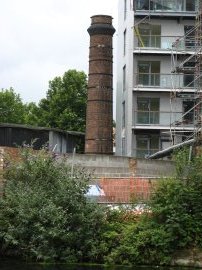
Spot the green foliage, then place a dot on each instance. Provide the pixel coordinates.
(33, 114)
(177, 202)
(142, 243)
(11, 109)
(65, 104)
(173, 223)
(44, 214)
(181, 158)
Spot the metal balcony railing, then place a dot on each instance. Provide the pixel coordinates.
(171, 81)
(167, 5)
(164, 118)
(164, 42)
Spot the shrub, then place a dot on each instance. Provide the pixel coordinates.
(44, 213)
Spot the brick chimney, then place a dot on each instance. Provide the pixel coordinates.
(99, 116)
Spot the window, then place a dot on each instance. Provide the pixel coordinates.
(149, 73)
(189, 68)
(147, 145)
(142, 4)
(190, 5)
(124, 42)
(124, 78)
(189, 36)
(188, 112)
(147, 110)
(149, 35)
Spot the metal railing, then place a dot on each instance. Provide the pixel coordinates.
(164, 42)
(171, 81)
(166, 5)
(164, 118)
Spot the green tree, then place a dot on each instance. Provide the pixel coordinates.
(12, 109)
(44, 213)
(65, 104)
(33, 114)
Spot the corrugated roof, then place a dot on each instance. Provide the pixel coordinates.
(11, 125)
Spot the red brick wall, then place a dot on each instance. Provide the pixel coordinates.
(126, 190)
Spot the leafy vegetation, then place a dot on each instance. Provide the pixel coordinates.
(174, 222)
(12, 109)
(45, 215)
(64, 106)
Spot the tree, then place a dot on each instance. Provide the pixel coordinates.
(33, 114)
(65, 104)
(12, 109)
(44, 213)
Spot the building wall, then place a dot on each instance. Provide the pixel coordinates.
(126, 190)
(171, 28)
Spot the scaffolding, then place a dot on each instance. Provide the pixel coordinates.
(186, 58)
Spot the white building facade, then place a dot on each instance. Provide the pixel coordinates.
(154, 99)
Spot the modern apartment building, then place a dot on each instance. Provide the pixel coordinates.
(155, 75)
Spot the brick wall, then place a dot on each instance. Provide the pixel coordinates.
(126, 190)
(122, 179)
(99, 121)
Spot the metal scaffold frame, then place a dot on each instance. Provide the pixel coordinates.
(194, 36)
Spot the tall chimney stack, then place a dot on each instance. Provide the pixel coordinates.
(99, 117)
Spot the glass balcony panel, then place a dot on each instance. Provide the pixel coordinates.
(155, 79)
(188, 118)
(143, 118)
(167, 5)
(147, 117)
(165, 118)
(172, 81)
(143, 153)
(151, 79)
(164, 42)
(143, 79)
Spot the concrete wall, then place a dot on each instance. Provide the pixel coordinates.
(117, 166)
(122, 179)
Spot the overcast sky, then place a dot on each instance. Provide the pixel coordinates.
(41, 39)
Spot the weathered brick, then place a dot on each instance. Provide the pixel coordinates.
(99, 115)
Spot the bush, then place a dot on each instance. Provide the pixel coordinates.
(174, 222)
(44, 213)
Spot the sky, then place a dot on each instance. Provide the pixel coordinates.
(41, 39)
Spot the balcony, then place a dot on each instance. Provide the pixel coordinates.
(156, 42)
(164, 119)
(164, 81)
(172, 7)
